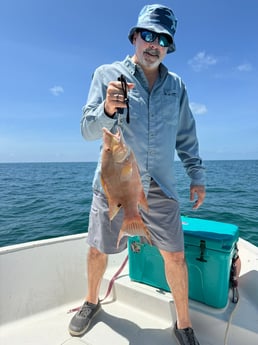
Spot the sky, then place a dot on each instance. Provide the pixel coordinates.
(49, 50)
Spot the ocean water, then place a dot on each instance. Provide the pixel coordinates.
(46, 200)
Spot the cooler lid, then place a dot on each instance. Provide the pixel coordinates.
(224, 233)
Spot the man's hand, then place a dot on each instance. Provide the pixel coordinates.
(115, 97)
(200, 192)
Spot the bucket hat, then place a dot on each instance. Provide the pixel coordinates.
(159, 19)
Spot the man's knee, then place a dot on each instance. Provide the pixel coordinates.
(176, 258)
(95, 254)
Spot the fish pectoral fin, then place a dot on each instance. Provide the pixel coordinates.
(113, 209)
(134, 227)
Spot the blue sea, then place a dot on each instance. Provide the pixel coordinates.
(46, 200)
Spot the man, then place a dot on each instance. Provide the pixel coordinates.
(160, 122)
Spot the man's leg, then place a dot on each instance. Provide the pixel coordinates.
(97, 263)
(96, 266)
(177, 278)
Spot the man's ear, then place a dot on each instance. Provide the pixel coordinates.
(134, 37)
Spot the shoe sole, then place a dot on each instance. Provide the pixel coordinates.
(79, 334)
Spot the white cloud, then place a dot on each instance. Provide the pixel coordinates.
(56, 90)
(202, 61)
(198, 109)
(246, 67)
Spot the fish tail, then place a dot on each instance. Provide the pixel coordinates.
(134, 227)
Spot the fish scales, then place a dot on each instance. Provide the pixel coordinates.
(122, 185)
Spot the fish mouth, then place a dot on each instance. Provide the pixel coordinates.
(114, 144)
(117, 135)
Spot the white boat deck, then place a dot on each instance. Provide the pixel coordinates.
(41, 281)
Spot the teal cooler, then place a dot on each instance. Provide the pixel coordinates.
(209, 249)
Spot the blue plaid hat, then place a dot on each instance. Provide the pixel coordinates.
(157, 18)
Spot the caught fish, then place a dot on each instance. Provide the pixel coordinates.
(122, 185)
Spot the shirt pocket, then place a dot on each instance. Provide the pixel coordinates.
(170, 106)
(136, 104)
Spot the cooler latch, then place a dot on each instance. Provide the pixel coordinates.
(202, 251)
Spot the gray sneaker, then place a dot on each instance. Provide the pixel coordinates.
(82, 319)
(185, 336)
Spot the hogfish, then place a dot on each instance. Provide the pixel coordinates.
(122, 185)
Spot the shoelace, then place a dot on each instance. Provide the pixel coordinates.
(86, 309)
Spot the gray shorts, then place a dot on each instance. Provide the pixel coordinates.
(163, 222)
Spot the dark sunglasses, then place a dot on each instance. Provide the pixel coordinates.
(150, 36)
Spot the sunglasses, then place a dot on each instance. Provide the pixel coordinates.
(150, 36)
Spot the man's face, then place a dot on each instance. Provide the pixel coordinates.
(149, 55)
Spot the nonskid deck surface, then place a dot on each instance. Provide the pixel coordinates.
(146, 316)
(117, 323)
(132, 314)
(110, 327)
(34, 309)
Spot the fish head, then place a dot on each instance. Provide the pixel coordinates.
(114, 145)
